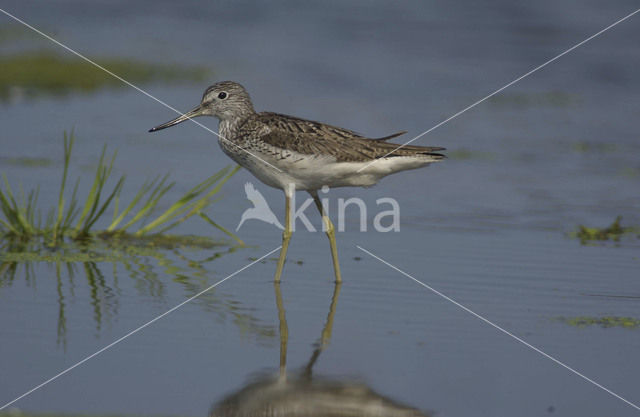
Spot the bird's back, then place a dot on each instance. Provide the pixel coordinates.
(307, 137)
(282, 150)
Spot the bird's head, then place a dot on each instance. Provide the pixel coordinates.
(226, 100)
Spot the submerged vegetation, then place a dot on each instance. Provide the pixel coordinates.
(612, 232)
(34, 74)
(73, 220)
(604, 322)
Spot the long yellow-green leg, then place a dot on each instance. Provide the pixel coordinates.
(284, 331)
(286, 236)
(326, 331)
(331, 234)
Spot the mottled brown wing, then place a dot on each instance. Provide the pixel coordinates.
(308, 137)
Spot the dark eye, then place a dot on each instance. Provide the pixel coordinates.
(222, 95)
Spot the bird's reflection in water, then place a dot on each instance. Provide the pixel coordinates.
(304, 394)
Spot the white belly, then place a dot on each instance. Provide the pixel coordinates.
(313, 172)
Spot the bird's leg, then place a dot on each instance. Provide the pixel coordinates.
(331, 234)
(284, 331)
(286, 236)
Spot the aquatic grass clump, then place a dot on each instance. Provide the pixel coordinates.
(74, 220)
(612, 232)
(39, 73)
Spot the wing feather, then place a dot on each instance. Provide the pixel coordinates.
(312, 138)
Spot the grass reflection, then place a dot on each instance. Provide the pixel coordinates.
(94, 273)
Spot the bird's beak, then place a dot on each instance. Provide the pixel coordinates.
(188, 115)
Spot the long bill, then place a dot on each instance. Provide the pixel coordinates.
(188, 115)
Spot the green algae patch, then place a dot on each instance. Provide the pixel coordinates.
(106, 247)
(604, 322)
(36, 74)
(630, 172)
(7, 258)
(14, 32)
(612, 232)
(597, 147)
(25, 161)
(161, 241)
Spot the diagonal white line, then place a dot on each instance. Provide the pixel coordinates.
(502, 88)
(53, 378)
(530, 346)
(95, 64)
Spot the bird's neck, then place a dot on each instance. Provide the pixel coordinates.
(228, 127)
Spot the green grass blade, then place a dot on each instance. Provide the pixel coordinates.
(141, 193)
(8, 212)
(12, 201)
(116, 206)
(11, 223)
(16, 216)
(96, 202)
(182, 204)
(56, 226)
(151, 203)
(104, 176)
(102, 209)
(7, 226)
(217, 226)
(94, 192)
(73, 209)
(191, 208)
(32, 203)
(68, 147)
(204, 202)
(49, 222)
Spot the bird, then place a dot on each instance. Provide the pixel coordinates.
(295, 154)
(260, 209)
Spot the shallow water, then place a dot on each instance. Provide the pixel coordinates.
(489, 227)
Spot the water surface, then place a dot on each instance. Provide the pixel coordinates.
(489, 227)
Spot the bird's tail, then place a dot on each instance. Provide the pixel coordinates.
(387, 149)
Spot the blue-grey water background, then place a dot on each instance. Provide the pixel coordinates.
(488, 227)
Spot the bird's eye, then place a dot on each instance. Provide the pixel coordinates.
(222, 95)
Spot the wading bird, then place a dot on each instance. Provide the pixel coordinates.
(292, 154)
